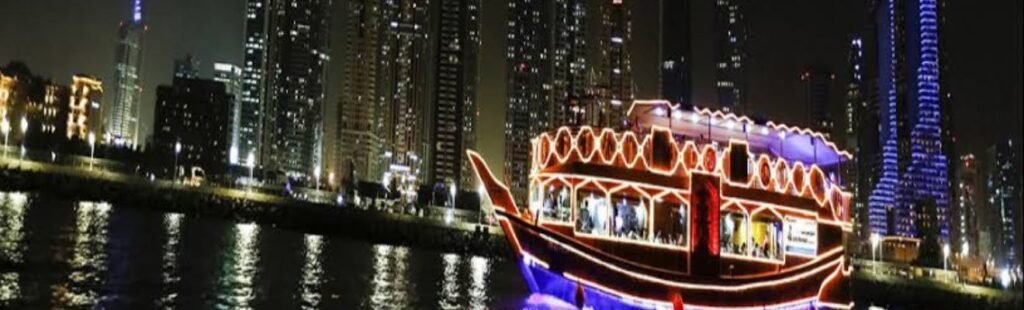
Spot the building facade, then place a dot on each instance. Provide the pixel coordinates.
(530, 99)
(254, 67)
(84, 103)
(361, 111)
(231, 76)
(452, 117)
(969, 199)
(1003, 168)
(296, 63)
(675, 48)
(194, 113)
(122, 114)
(730, 28)
(817, 81)
(914, 167)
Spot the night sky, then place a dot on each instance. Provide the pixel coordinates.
(58, 38)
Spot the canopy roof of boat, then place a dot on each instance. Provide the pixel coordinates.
(789, 142)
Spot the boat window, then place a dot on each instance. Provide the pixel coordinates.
(555, 203)
(671, 223)
(594, 212)
(766, 236)
(630, 216)
(662, 150)
(734, 235)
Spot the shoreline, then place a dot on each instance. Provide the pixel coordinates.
(260, 208)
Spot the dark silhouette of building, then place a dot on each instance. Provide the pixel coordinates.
(730, 27)
(194, 113)
(818, 82)
(675, 47)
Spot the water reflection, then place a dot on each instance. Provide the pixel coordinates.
(390, 282)
(61, 254)
(450, 282)
(12, 219)
(88, 258)
(169, 262)
(480, 270)
(312, 272)
(238, 282)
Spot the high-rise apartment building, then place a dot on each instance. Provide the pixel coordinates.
(675, 47)
(730, 28)
(121, 121)
(193, 113)
(1004, 195)
(295, 72)
(231, 76)
(451, 118)
(529, 109)
(817, 81)
(254, 70)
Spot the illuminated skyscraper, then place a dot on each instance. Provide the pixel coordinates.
(231, 76)
(250, 124)
(569, 63)
(612, 61)
(530, 101)
(730, 28)
(452, 118)
(969, 190)
(1005, 202)
(122, 114)
(914, 167)
(676, 62)
(296, 62)
(361, 110)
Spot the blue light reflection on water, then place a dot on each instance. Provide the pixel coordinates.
(64, 254)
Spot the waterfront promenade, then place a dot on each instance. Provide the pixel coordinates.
(96, 180)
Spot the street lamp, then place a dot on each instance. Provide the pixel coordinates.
(316, 174)
(965, 250)
(92, 148)
(875, 239)
(177, 150)
(945, 256)
(5, 126)
(250, 161)
(24, 134)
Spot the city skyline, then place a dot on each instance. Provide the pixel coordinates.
(223, 30)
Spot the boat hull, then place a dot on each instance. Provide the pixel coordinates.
(558, 266)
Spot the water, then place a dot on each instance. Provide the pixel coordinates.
(80, 254)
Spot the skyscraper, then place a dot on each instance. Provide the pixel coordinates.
(404, 53)
(231, 76)
(861, 137)
(612, 61)
(1005, 201)
(121, 121)
(296, 61)
(530, 103)
(569, 63)
(969, 190)
(914, 169)
(817, 82)
(360, 111)
(730, 29)
(250, 124)
(452, 117)
(676, 62)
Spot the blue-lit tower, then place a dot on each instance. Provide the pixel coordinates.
(121, 116)
(914, 168)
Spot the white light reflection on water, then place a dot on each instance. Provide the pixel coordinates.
(450, 294)
(170, 271)
(480, 269)
(312, 273)
(88, 259)
(240, 275)
(12, 218)
(390, 283)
